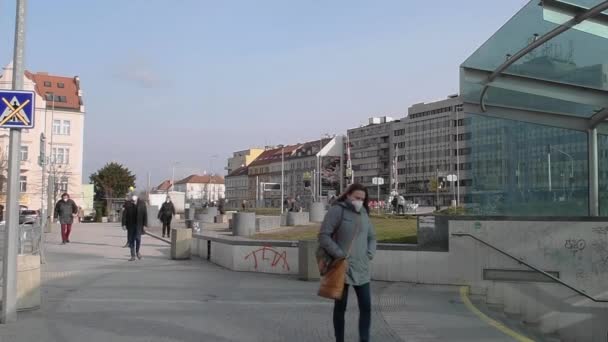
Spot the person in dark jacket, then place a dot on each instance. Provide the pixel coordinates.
(165, 215)
(65, 210)
(135, 219)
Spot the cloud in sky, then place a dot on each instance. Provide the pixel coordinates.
(139, 72)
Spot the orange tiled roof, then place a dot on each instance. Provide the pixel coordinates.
(46, 83)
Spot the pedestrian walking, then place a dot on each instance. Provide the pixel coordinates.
(65, 210)
(347, 233)
(135, 220)
(80, 214)
(165, 215)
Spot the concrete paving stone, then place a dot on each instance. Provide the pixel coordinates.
(92, 293)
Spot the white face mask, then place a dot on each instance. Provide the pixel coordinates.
(65, 199)
(134, 198)
(168, 200)
(358, 205)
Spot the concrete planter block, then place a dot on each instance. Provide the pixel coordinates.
(221, 219)
(211, 211)
(263, 223)
(297, 219)
(317, 212)
(205, 218)
(104, 219)
(153, 214)
(243, 224)
(28, 282)
(181, 243)
(307, 260)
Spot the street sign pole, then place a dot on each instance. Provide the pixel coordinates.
(9, 271)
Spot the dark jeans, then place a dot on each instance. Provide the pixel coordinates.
(365, 312)
(167, 226)
(134, 240)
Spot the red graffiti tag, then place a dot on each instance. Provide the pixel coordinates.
(275, 257)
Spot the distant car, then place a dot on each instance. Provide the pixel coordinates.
(28, 216)
(89, 218)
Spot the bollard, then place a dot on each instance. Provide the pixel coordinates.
(307, 260)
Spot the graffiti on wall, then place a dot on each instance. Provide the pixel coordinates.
(270, 255)
(575, 245)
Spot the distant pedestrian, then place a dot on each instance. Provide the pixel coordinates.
(135, 220)
(165, 215)
(347, 232)
(80, 214)
(65, 210)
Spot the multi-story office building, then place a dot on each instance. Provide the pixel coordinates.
(370, 154)
(431, 143)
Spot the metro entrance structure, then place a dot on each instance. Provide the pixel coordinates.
(536, 95)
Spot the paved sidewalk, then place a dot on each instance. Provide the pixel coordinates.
(92, 293)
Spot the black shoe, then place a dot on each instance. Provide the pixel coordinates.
(67, 241)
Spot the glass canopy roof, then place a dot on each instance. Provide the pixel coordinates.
(576, 58)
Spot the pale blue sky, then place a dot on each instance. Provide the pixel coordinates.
(184, 80)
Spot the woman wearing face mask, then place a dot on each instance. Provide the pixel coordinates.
(347, 222)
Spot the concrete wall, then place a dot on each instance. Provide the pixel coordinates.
(249, 256)
(577, 250)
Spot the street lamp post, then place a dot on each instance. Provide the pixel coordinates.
(9, 270)
(282, 178)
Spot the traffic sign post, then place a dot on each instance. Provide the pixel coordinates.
(452, 179)
(378, 181)
(17, 113)
(17, 109)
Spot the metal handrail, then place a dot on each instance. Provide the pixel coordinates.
(523, 262)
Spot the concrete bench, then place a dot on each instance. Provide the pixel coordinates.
(263, 223)
(297, 219)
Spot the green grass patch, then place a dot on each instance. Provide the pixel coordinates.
(389, 229)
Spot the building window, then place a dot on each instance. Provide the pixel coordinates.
(63, 184)
(57, 127)
(48, 96)
(60, 98)
(60, 85)
(24, 153)
(66, 127)
(61, 155)
(47, 83)
(61, 127)
(23, 183)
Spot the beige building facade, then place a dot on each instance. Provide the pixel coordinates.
(59, 115)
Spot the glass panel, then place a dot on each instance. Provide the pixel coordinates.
(602, 144)
(574, 57)
(510, 163)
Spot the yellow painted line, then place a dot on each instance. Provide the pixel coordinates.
(464, 295)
